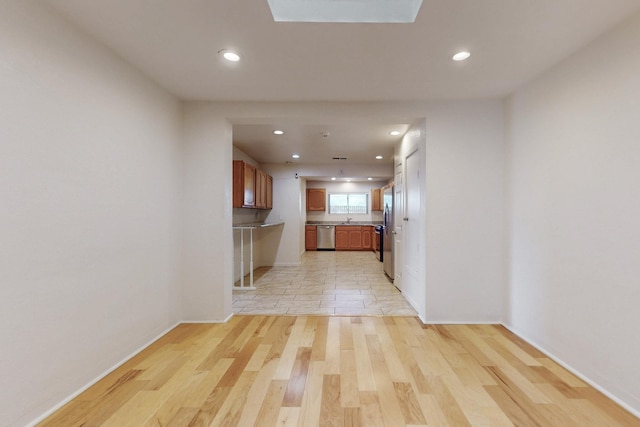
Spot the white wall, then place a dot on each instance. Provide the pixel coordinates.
(208, 236)
(345, 187)
(90, 183)
(465, 212)
(283, 246)
(574, 198)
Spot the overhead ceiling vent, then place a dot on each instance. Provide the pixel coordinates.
(345, 11)
(339, 158)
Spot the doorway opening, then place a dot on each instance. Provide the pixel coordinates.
(326, 283)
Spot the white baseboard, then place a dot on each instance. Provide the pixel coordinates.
(457, 322)
(574, 371)
(207, 321)
(286, 264)
(99, 377)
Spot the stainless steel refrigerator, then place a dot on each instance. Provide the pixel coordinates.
(388, 230)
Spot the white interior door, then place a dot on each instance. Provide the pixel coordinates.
(398, 215)
(414, 255)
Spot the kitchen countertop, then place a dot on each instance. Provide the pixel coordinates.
(254, 225)
(365, 223)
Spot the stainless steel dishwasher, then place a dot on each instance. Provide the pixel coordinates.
(326, 237)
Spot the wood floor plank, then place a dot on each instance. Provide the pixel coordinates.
(278, 335)
(238, 325)
(370, 411)
(288, 357)
(331, 413)
(389, 405)
(201, 392)
(271, 405)
(562, 373)
(609, 407)
(319, 345)
(232, 408)
(310, 408)
(298, 378)
(364, 371)
(349, 392)
(288, 417)
(525, 402)
(390, 348)
(510, 407)
(447, 403)
(340, 371)
(183, 417)
(309, 332)
(409, 404)
(180, 388)
(333, 347)
(346, 335)
(258, 394)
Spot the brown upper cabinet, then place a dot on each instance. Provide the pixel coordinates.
(269, 192)
(252, 188)
(316, 199)
(376, 199)
(261, 189)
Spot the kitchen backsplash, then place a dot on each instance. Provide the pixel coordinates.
(324, 216)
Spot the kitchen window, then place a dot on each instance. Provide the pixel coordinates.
(348, 203)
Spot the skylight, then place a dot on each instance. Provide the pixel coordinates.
(346, 11)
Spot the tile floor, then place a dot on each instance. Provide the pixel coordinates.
(340, 283)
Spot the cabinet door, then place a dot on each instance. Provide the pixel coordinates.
(310, 238)
(261, 189)
(342, 239)
(375, 200)
(316, 199)
(249, 186)
(269, 192)
(375, 237)
(355, 238)
(238, 183)
(366, 237)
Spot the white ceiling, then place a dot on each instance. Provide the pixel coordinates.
(175, 43)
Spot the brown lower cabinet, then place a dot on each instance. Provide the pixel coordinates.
(310, 238)
(353, 237)
(366, 237)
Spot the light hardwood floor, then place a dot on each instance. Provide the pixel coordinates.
(340, 371)
(343, 283)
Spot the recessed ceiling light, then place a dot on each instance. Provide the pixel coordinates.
(296, 156)
(394, 133)
(230, 55)
(461, 56)
(278, 132)
(333, 178)
(378, 157)
(370, 179)
(348, 179)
